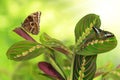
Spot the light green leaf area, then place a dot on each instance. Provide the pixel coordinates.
(114, 75)
(54, 44)
(25, 50)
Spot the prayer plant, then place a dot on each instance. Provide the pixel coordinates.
(79, 62)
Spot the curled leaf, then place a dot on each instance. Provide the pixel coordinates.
(49, 70)
(23, 34)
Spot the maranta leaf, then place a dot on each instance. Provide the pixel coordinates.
(25, 50)
(84, 67)
(96, 43)
(90, 41)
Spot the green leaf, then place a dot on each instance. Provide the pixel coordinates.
(90, 40)
(84, 67)
(99, 47)
(54, 44)
(25, 50)
(96, 43)
(84, 27)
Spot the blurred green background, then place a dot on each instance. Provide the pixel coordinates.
(58, 19)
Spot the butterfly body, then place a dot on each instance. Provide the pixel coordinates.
(31, 23)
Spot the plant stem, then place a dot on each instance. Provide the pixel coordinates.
(72, 67)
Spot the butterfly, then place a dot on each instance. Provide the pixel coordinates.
(31, 23)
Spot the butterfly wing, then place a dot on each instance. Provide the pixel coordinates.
(31, 23)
